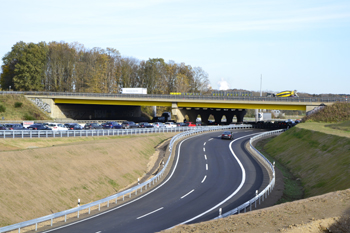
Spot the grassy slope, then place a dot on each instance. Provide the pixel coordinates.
(38, 181)
(28, 110)
(321, 160)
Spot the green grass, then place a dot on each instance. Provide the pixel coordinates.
(293, 189)
(319, 159)
(17, 107)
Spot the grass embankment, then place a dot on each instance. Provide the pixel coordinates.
(320, 160)
(316, 152)
(17, 107)
(53, 173)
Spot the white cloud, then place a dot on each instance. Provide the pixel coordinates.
(223, 85)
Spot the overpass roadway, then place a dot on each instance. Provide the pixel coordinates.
(181, 105)
(207, 174)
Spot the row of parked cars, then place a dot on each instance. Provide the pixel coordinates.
(88, 126)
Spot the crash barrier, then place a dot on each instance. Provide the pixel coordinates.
(259, 197)
(137, 190)
(87, 133)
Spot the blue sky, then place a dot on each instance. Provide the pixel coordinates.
(295, 45)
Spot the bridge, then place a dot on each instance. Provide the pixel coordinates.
(96, 106)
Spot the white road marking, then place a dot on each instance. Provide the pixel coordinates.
(150, 213)
(234, 193)
(205, 156)
(210, 139)
(205, 143)
(204, 179)
(204, 149)
(118, 207)
(206, 167)
(99, 232)
(187, 193)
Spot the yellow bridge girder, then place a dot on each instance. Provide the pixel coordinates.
(194, 104)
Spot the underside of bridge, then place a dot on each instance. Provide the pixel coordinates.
(204, 113)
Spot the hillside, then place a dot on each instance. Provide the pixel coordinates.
(17, 107)
(43, 176)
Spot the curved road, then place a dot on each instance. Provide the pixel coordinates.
(208, 173)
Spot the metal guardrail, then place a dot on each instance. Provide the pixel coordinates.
(137, 189)
(264, 193)
(182, 97)
(87, 133)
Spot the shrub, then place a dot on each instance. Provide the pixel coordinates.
(28, 117)
(2, 108)
(18, 105)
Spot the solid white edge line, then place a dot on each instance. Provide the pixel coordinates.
(229, 197)
(187, 193)
(204, 179)
(150, 213)
(107, 211)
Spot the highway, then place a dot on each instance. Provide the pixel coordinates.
(208, 173)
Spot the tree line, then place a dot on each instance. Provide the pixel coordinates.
(64, 67)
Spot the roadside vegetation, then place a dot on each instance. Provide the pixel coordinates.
(17, 107)
(43, 176)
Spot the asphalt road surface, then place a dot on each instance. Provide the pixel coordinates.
(208, 174)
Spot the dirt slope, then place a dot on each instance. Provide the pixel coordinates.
(54, 173)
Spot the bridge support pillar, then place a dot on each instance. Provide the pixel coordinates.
(178, 113)
(240, 114)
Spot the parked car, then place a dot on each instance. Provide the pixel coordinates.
(170, 124)
(129, 125)
(145, 125)
(92, 126)
(14, 127)
(38, 127)
(75, 126)
(112, 125)
(190, 124)
(227, 135)
(158, 125)
(57, 126)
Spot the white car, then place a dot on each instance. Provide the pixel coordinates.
(57, 126)
(170, 124)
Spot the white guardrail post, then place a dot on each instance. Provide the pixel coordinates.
(186, 132)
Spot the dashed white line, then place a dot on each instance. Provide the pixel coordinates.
(206, 167)
(205, 143)
(204, 149)
(204, 179)
(210, 139)
(150, 213)
(98, 231)
(187, 193)
(205, 156)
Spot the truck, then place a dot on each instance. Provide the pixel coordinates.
(283, 94)
(264, 116)
(133, 91)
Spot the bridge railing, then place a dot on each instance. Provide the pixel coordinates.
(180, 97)
(266, 191)
(137, 190)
